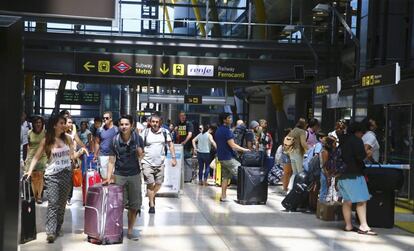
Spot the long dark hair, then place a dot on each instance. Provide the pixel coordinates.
(329, 144)
(34, 120)
(205, 128)
(50, 134)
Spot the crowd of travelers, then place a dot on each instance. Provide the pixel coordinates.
(125, 148)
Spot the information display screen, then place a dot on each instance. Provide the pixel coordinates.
(385, 75)
(73, 97)
(327, 86)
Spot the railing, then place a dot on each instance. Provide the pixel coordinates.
(281, 33)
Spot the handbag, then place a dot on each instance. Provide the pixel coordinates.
(77, 177)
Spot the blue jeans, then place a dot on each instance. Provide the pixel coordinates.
(323, 192)
(203, 162)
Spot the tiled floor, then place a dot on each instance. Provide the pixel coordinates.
(198, 221)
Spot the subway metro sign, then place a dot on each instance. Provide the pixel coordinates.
(118, 64)
(380, 76)
(328, 86)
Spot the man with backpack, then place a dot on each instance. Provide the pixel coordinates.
(156, 140)
(239, 133)
(125, 150)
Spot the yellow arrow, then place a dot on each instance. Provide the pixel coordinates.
(88, 66)
(164, 70)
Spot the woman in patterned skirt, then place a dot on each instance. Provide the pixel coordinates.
(58, 174)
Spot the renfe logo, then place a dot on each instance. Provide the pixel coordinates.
(200, 70)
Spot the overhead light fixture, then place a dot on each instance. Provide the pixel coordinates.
(323, 8)
(290, 28)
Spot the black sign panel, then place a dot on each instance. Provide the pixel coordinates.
(193, 99)
(98, 9)
(72, 97)
(386, 75)
(160, 66)
(328, 86)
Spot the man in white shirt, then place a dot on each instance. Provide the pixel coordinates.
(340, 129)
(372, 147)
(24, 135)
(155, 141)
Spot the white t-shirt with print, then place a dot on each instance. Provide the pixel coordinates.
(154, 148)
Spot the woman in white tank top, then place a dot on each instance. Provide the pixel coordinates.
(58, 174)
(202, 145)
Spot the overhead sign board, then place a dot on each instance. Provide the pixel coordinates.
(327, 86)
(381, 76)
(117, 64)
(72, 97)
(193, 99)
(90, 9)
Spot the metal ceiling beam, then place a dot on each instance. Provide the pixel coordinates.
(76, 41)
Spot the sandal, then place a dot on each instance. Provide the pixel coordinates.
(133, 238)
(367, 232)
(354, 229)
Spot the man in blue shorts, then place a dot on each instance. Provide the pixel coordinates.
(225, 152)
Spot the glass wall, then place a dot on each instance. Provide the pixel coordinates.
(109, 99)
(399, 149)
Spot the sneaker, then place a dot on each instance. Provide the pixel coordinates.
(151, 210)
(50, 238)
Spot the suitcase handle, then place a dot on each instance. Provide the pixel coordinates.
(25, 188)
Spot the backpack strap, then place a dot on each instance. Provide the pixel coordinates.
(164, 132)
(243, 136)
(145, 136)
(115, 144)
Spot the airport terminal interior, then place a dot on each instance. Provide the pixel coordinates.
(223, 81)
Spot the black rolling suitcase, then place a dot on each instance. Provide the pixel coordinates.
(252, 185)
(380, 209)
(28, 213)
(299, 195)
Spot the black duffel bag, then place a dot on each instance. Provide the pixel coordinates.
(384, 179)
(252, 159)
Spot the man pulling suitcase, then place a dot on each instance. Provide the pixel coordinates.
(126, 149)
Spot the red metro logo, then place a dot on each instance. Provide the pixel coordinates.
(122, 67)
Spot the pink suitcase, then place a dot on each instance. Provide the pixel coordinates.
(104, 214)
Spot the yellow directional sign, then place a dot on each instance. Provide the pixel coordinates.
(88, 66)
(164, 70)
(104, 66)
(178, 69)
